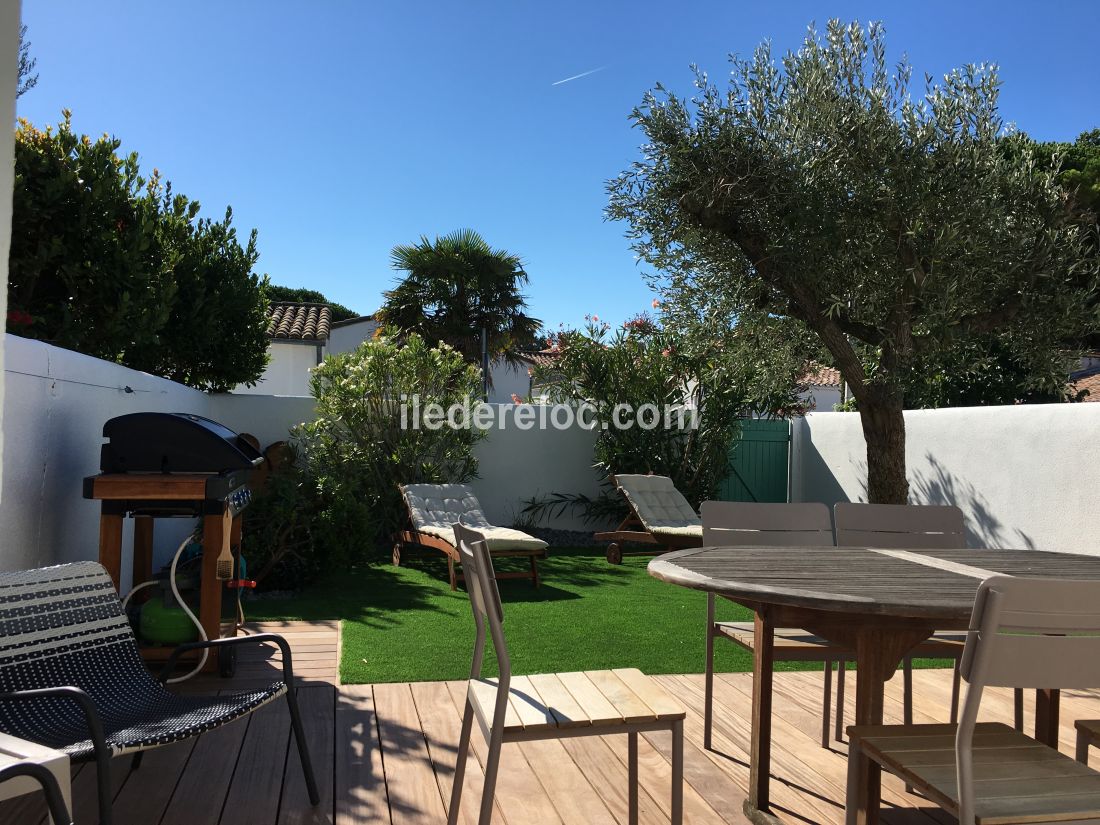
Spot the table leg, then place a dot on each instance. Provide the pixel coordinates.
(1046, 716)
(756, 806)
(878, 653)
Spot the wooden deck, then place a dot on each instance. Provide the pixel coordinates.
(385, 754)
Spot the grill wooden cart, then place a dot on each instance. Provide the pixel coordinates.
(171, 465)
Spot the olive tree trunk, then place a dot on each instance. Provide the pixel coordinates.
(884, 430)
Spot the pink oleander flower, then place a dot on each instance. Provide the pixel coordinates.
(656, 304)
(666, 352)
(596, 318)
(516, 399)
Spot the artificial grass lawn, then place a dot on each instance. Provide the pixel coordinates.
(403, 624)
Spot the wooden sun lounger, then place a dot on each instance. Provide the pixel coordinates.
(632, 529)
(411, 537)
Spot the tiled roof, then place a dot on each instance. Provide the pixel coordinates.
(300, 322)
(1087, 380)
(543, 358)
(819, 376)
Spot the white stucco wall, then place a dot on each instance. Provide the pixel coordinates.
(53, 415)
(287, 371)
(54, 412)
(346, 337)
(9, 77)
(521, 464)
(508, 379)
(1024, 476)
(823, 399)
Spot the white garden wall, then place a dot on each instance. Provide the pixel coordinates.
(58, 401)
(1025, 476)
(53, 415)
(516, 465)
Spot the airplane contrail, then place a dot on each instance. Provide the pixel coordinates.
(578, 76)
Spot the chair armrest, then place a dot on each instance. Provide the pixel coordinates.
(233, 641)
(91, 715)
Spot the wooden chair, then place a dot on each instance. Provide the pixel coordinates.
(659, 515)
(433, 508)
(741, 524)
(913, 527)
(1024, 633)
(551, 706)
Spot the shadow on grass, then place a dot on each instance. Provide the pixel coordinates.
(375, 594)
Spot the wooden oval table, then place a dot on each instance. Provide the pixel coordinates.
(877, 603)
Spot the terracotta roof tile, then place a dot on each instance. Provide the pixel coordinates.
(301, 322)
(1087, 380)
(819, 376)
(542, 358)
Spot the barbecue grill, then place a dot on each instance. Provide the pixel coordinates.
(158, 465)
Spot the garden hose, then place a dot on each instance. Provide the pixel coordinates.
(182, 604)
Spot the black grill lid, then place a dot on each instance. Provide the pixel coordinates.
(173, 443)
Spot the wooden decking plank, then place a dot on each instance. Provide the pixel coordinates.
(576, 802)
(441, 723)
(595, 758)
(201, 792)
(318, 709)
(519, 793)
(258, 780)
(359, 778)
(790, 798)
(655, 775)
(797, 754)
(146, 794)
(413, 793)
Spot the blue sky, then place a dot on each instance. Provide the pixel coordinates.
(339, 129)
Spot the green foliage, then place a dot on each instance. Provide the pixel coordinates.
(641, 364)
(284, 539)
(361, 446)
(110, 264)
(817, 188)
(277, 294)
(25, 79)
(454, 287)
(1079, 170)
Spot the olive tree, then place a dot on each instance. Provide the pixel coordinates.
(894, 227)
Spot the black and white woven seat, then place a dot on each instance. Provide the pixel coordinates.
(71, 677)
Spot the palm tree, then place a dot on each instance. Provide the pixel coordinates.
(457, 286)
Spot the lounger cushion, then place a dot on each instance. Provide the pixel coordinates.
(435, 508)
(661, 507)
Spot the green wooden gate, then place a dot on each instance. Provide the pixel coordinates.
(758, 462)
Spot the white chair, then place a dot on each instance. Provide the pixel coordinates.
(1024, 633)
(744, 524)
(26, 767)
(551, 706)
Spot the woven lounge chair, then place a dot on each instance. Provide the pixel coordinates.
(71, 677)
(659, 515)
(434, 508)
